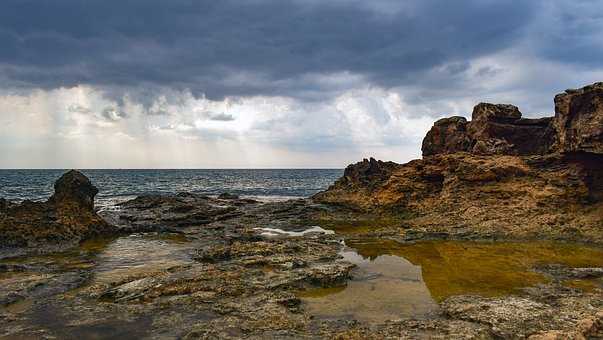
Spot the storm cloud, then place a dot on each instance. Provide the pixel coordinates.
(306, 77)
(267, 47)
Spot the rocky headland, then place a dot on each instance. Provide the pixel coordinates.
(419, 250)
(496, 176)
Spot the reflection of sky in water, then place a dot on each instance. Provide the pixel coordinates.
(394, 280)
(137, 254)
(388, 287)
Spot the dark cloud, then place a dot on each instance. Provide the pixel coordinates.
(231, 47)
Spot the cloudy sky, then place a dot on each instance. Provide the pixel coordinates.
(272, 83)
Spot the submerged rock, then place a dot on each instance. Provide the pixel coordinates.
(66, 217)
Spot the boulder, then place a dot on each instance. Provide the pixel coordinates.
(499, 113)
(498, 174)
(74, 188)
(499, 129)
(447, 135)
(66, 218)
(579, 119)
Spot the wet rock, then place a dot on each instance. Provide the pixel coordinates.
(154, 212)
(228, 196)
(560, 272)
(579, 119)
(66, 218)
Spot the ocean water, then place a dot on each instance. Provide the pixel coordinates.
(119, 185)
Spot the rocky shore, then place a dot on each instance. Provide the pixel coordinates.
(198, 267)
(497, 176)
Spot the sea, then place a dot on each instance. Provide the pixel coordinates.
(120, 185)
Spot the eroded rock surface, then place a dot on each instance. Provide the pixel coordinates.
(498, 175)
(497, 129)
(67, 217)
(579, 119)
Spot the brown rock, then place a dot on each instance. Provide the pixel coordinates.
(75, 188)
(495, 195)
(579, 119)
(499, 129)
(447, 135)
(66, 218)
(368, 172)
(499, 113)
(496, 129)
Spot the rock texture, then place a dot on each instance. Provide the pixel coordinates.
(496, 176)
(579, 119)
(67, 217)
(494, 129)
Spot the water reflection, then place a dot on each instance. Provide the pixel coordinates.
(385, 287)
(395, 280)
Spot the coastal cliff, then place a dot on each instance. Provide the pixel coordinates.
(496, 175)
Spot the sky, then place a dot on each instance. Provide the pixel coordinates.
(272, 83)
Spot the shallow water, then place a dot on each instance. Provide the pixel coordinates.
(140, 253)
(386, 287)
(395, 280)
(108, 260)
(391, 281)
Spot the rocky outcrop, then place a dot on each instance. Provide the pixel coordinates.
(67, 217)
(494, 129)
(579, 119)
(498, 175)
(499, 128)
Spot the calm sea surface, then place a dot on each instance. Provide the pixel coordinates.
(119, 185)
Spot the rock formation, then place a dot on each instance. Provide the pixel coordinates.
(579, 119)
(497, 175)
(494, 129)
(67, 217)
(499, 129)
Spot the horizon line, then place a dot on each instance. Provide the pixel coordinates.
(275, 168)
